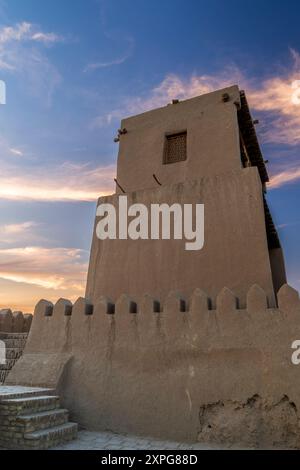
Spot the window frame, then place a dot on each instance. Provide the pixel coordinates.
(165, 150)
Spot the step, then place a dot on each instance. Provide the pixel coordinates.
(13, 353)
(52, 436)
(8, 392)
(42, 420)
(14, 343)
(28, 405)
(6, 336)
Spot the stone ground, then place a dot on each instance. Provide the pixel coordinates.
(88, 440)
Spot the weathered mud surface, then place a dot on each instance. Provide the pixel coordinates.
(255, 423)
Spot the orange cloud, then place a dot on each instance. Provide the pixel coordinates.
(50, 268)
(67, 182)
(15, 229)
(30, 273)
(171, 87)
(14, 233)
(288, 176)
(276, 99)
(24, 296)
(273, 96)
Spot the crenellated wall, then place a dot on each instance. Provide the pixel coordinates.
(14, 328)
(14, 322)
(175, 370)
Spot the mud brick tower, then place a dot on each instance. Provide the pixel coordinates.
(202, 150)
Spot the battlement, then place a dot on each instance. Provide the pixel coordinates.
(199, 303)
(257, 299)
(65, 327)
(14, 322)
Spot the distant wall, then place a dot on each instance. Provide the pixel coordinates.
(176, 370)
(14, 322)
(235, 252)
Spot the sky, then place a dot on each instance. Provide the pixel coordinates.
(74, 68)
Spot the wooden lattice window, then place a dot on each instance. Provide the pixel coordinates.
(175, 148)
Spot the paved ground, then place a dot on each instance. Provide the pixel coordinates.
(109, 441)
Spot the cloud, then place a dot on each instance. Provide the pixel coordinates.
(119, 59)
(13, 229)
(15, 33)
(107, 119)
(287, 225)
(10, 149)
(17, 152)
(102, 65)
(21, 54)
(289, 176)
(23, 232)
(47, 38)
(31, 272)
(272, 97)
(275, 100)
(172, 86)
(26, 32)
(20, 296)
(175, 87)
(66, 182)
(50, 268)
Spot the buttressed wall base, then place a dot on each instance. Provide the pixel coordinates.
(177, 371)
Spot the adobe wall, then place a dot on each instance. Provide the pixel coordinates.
(175, 371)
(213, 145)
(14, 322)
(235, 252)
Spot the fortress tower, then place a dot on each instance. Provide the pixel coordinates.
(160, 347)
(202, 150)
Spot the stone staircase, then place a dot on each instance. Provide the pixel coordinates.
(14, 345)
(33, 419)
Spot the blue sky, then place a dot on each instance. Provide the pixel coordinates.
(73, 68)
